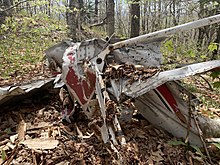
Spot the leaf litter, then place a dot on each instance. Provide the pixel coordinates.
(36, 136)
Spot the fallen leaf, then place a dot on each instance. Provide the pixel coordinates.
(1, 160)
(41, 143)
(5, 148)
(13, 138)
(217, 145)
(176, 143)
(65, 162)
(150, 161)
(21, 129)
(140, 134)
(37, 126)
(10, 145)
(157, 156)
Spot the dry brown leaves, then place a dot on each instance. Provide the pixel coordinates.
(47, 141)
(210, 100)
(132, 72)
(27, 74)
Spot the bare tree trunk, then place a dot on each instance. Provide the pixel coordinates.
(72, 19)
(174, 13)
(159, 15)
(135, 18)
(144, 17)
(119, 22)
(166, 12)
(35, 9)
(110, 11)
(170, 15)
(80, 18)
(148, 15)
(217, 39)
(201, 30)
(96, 7)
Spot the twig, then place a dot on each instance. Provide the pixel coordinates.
(103, 22)
(213, 140)
(4, 142)
(201, 137)
(79, 132)
(67, 135)
(22, 126)
(10, 158)
(190, 160)
(189, 118)
(171, 162)
(210, 86)
(34, 157)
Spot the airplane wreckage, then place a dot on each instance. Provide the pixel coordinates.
(111, 81)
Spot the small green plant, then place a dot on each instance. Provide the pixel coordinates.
(212, 47)
(4, 156)
(217, 145)
(215, 75)
(194, 148)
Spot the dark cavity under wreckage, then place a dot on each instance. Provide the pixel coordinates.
(110, 81)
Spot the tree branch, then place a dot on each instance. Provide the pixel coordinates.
(18, 3)
(103, 22)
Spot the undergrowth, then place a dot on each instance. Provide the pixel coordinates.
(177, 54)
(23, 41)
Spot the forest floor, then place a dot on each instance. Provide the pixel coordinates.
(44, 139)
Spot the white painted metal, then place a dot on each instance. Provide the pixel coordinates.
(153, 109)
(140, 88)
(148, 55)
(156, 36)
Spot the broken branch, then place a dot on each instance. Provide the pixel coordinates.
(103, 22)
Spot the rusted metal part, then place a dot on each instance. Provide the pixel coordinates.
(127, 110)
(102, 106)
(108, 107)
(145, 54)
(84, 82)
(68, 105)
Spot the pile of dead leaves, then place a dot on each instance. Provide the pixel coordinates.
(33, 134)
(27, 74)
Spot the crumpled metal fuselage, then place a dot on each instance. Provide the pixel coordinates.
(109, 80)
